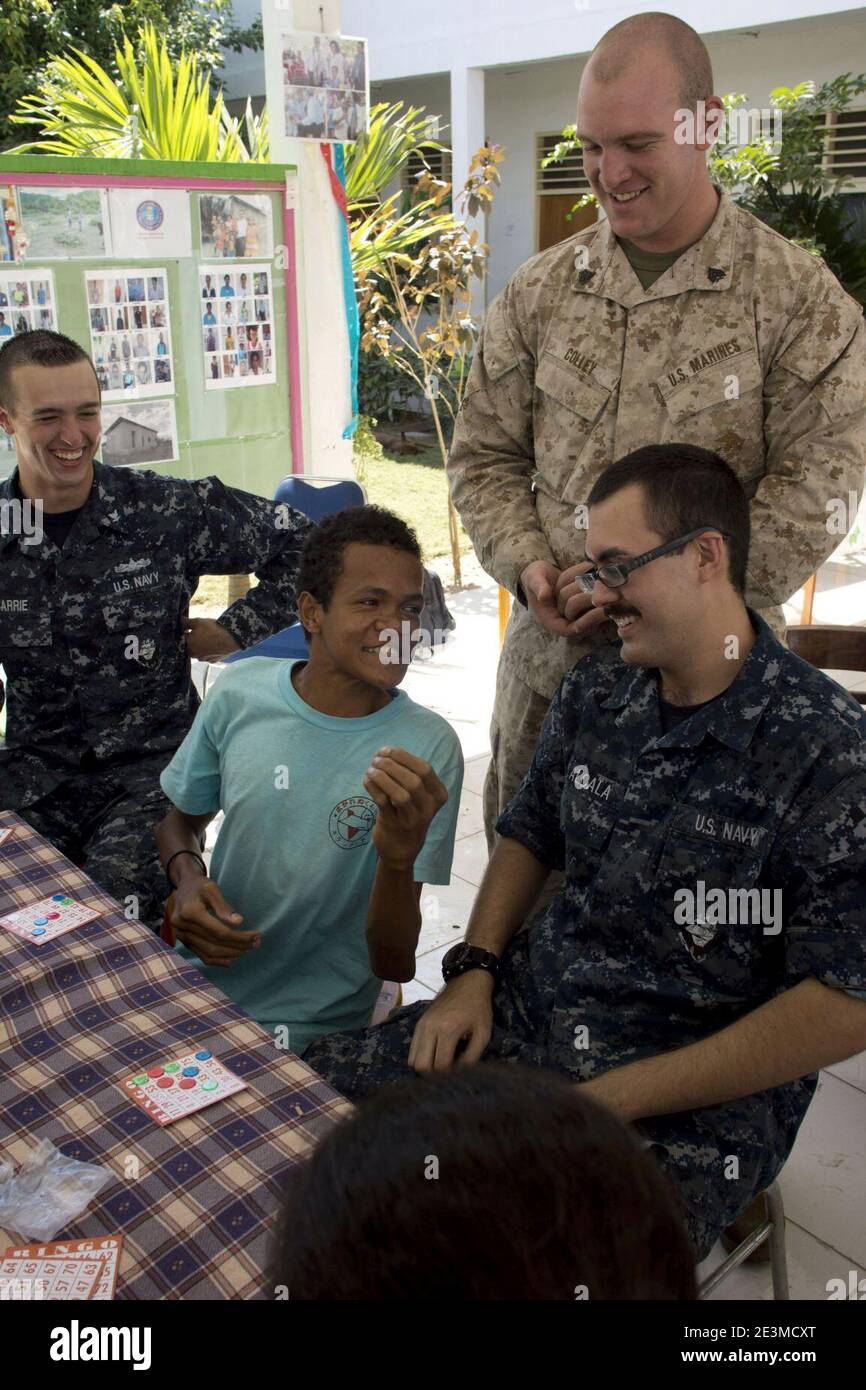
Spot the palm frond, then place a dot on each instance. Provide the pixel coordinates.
(154, 108)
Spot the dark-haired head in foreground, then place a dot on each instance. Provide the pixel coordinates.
(497, 1182)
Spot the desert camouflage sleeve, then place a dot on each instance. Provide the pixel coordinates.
(492, 457)
(815, 437)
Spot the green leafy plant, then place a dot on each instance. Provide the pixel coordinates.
(801, 197)
(157, 108)
(737, 166)
(384, 224)
(365, 445)
(32, 32)
(383, 390)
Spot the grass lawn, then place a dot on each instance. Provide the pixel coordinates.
(414, 486)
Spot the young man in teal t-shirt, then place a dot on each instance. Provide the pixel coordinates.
(340, 797)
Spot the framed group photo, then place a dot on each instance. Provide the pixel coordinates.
(325, 86)
(235, 226)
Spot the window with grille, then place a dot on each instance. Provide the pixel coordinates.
(437, 161)
(845, 145)
(567, 176)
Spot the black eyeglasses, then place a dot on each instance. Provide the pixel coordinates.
(614, 575)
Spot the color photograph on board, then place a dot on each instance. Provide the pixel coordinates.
(62, 223)
(27, 300)
(130, 332)
(235, 226)
(237, 326)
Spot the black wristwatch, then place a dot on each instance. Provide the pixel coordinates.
(463, 957)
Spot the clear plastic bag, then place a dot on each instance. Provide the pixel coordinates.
(48, 1192)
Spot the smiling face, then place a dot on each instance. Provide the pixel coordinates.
(656, 192)
(658, 611)
(54, 415)
(379, 590)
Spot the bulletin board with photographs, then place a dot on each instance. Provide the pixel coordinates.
(167, 402)
(325, 86)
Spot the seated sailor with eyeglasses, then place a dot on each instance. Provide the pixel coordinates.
(703, 790)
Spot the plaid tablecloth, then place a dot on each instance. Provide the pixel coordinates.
(195, 1201)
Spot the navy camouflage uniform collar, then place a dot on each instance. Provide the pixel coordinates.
(102, 509)
(601, 266)
(731, 717)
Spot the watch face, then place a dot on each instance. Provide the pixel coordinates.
(454, 958)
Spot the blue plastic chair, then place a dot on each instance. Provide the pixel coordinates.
(315, 499)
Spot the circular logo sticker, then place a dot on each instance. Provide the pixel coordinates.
(351, 822)
(149, 215)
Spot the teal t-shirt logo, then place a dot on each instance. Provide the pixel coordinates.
(351, 823)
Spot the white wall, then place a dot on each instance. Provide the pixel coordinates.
(408, 37)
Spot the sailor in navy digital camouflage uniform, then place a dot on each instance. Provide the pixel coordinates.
(94, 635)
(705, 792)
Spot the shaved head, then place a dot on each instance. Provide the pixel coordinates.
(627, 43)
(645, 164)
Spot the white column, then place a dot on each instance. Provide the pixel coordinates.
(325, 365)
(468, 130)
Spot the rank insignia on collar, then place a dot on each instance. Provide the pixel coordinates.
(585, 276)
(715, 273)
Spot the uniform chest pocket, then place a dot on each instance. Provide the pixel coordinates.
(24, 629)
(587, 824)
(566, 410)
(719, 407)
(143, 628)
(710, 918)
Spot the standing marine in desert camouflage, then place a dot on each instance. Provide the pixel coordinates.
(679, 317)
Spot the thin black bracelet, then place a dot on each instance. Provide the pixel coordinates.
(173, 886)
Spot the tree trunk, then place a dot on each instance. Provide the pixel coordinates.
(453, 532)
(455, 541)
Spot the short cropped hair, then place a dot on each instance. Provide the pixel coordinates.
(627, 42)
(41, 348)
(685, 487)
(322, 555)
